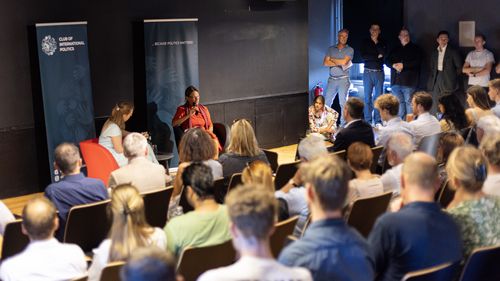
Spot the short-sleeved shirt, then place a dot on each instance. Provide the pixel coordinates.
(479, 59)
(334, 52)
(112, 130)
(327, 116)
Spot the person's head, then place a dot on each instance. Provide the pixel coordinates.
(486, 126)
(258, 172)
(149, 264)
(491, 149)
(129, 229)
(243, 141)
(374, 30)
(192, 95)
(477, 97)
(135, 145)
(404, 36)
(453, 111)
(326, 180)
(466, 169)
(319, 103)
(121, 113)
(421, 102)
(359, 156)
(399, 146)
(199, 181)
(342, 36)
(442, 38)
(479, 41)
(67, 158)
(353, 109)
(447, 143)
(196, 145)
(494, 90)
(419, 176)
(388, 106)
(312, 146)
(39, 219)
(252, 213)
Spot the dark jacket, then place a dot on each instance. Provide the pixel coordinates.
(452, 67)
(357, 131)
(411, 57)
(370, 52)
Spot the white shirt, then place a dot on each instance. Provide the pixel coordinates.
(297, 206)
(441, 52)
(392, 126)
(496, 109)
(5, 217)
(492, 185)
(425, 125)
(101, 254)
(45, 260)
(391, 179)
(253, 268)
(479, 59)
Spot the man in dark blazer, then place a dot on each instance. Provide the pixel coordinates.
(446, 66)
(356, 129)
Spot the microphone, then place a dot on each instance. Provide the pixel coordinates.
(195, 107)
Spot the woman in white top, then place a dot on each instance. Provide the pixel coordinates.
(366, 184)
(129, 230)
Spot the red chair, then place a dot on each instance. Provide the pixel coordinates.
(100, 162)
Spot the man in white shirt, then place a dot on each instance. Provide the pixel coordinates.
(253, 215)
(399, 146)
(388, 106)
(487, 126)
(44, 258)
(478, 63)
(494, 94)
(491, 149)
(425, 124)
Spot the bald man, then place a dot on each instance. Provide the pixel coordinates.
(44, 258)
(420, 235)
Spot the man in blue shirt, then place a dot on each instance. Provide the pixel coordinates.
(330, 249)
(74, 188)
(420, 235)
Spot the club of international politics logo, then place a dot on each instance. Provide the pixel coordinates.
(49, 45)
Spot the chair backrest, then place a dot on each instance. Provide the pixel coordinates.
(445, 194)
(14, 241)
(482, 264)
(284, 173)
(234, 181)
(223, 133)
(443, 272)
(377, 151)
(156, 206)
(306, 225)
(429, 144)
(83, 278)
(183, 202)
(272, 157)
(195, 261)
(220, 190)
(342, 154)
(112, 271)
(281, 231)
(87, 225)
(99, 161)
(365, 211)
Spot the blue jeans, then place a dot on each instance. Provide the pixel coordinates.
(340, 87)
(372, 79)
(404, 95)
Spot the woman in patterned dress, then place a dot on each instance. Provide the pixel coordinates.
(322, 118)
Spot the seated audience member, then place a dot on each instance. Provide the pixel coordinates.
(425, 124)
(6, 216)
(330, 249)
(74, 188)
(476, 214)
(487, 126)
(479, 104)
(322, 118)
(420, 235)
(139, 172)
(399, 146)
(356, 129)
(388, 106)
(253, 215)
(491, 149)
(447, 143)
(129, 230)
(149, 264)
(243, 148)
(208, 223)
(453, 116)
(494, 93)
(366, 184)
(44, 258)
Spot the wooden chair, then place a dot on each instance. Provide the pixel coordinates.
(234, 181)
(196, 260)
(83, 278)
(14, 241)
(284, 173)
(272, 157)
(429, 144)
(156, 206)
(220, 190)
(482, 264)
(223, 133)
(99, 161)
(112, 271)
(442, 272)
(342, 154)
(377, 151)
(87, 225)
(281, 231)
(445, 195)
(306, 225)
(365, 211)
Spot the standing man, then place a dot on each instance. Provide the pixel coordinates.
(338, 59)
(446, 65)
(373, 52)
(478, 63)
(405, 67)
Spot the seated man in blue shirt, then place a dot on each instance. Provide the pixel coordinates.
(330, 249)
(74, 188)
(420, 235)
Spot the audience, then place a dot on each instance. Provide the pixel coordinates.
(208, 223)
(491, 149)
(129, 230)
(243, 148)
(44, 258)
(330, 249)
(425, 124)
(479, 104)
(149, 264)
(6, 216)
(399, 146)
(453, 116)
(139, 172)
(355, 129)
(487, 126)
(447, 143)
(494, 93)
(253, 215)
(476, 214)
(388, 106)
(420, 235)
(74, 188)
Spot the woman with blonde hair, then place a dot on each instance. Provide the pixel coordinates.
(476, 214)
(243, 148)
(129, 230)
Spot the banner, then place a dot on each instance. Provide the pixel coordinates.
(171, 57)
(65, 83)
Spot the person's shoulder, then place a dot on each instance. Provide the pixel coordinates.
(93, 181)
(214, 274)
(290, 255)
